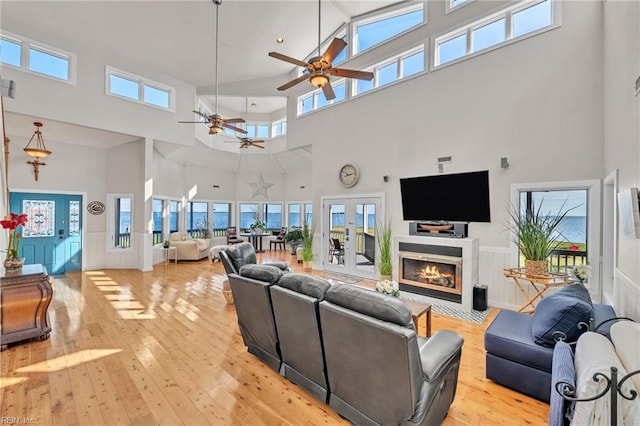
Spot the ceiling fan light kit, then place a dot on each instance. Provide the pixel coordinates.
(319, 80)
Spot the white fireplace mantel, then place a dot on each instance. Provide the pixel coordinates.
(470, 261)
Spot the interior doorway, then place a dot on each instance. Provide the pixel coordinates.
(349, 242)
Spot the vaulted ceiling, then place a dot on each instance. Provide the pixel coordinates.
(177, 38)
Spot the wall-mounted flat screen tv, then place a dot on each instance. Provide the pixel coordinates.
(459, 197)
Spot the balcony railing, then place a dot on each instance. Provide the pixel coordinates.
(562, 260)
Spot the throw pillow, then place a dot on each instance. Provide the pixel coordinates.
(561, 314)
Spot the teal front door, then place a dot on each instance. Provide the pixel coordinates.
(53, 233)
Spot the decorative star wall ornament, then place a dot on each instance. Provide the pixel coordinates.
(260, 187)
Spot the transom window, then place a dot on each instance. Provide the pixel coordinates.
(139, 89)
(393, 69)
(314, 100)
(34, 57)
(372, 31)
(257, 130)
(452, 5)
(279, 128)
(523, 19)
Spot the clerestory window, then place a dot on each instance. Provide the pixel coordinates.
(393, 69)
(314, 100)
(31, 56)
(518, 21)
(139, 89)
(375, 29)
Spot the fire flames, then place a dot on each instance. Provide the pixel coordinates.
(432, 275)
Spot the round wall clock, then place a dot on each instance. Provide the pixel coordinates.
(95, 207)
(349, 175)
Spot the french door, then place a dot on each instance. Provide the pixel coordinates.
(349, 235)
(52, 235)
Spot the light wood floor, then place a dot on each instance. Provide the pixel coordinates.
(163, 347)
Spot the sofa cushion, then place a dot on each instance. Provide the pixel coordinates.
(306, 284)
(371, 303)
(179, 236)
(625, 336)
(267, 273)
(562, 312)
(509, 337)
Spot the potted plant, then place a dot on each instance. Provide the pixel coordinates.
(385, 264)
(165, 244)
(536, 235)
(294, 237)
(307, 247)
(258, 227)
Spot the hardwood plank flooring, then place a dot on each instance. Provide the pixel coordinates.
(163, 347)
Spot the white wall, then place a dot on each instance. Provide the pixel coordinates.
(622, 135)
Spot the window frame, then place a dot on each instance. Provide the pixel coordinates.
(450, 7)
(313, 94)
(112, 214)
(398, 58)
(381, 15)
(507, 13)
(190, 226)
(283, 123)
(264, 208)
(142, 82)
(230, 205)
(594, 217)
(26, 45)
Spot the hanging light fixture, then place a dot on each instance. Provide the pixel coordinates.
(38, 151)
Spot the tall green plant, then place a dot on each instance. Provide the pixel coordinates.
(307, 243)
(536, 234)
(385, 265)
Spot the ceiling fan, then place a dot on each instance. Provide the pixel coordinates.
(319, 68)
(247, 142)
(218, 124)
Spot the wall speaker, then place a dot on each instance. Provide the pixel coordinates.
(480, 298)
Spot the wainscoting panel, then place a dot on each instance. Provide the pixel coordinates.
(626, 295)
(98, 257)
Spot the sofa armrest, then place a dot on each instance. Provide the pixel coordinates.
(437, 351)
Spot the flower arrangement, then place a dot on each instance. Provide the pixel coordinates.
(388, 287)
(581, 272)
(13, 249)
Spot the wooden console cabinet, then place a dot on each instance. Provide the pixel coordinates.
(25, 296)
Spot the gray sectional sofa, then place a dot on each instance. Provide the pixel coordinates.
(349, 346)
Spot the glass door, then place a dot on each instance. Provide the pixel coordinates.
(350, 235)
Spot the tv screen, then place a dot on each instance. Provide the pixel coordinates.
(460, 197)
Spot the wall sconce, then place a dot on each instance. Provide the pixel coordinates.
(37, 152)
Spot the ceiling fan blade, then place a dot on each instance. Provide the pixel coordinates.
(257, 146)
(334, 49)
(237, 129)
(293, 82)
(289, 59)
(202, 114)
(343, 72)
(194, 122)
(328, 91)
(233, 120)
(257, 141)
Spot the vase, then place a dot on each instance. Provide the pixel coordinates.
(536, 267)
(385, 277)
(13, 264)
(306, 265)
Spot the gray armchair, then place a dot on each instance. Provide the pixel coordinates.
(379, 371)
(243, 253)
(252, 298)
(295, 301)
